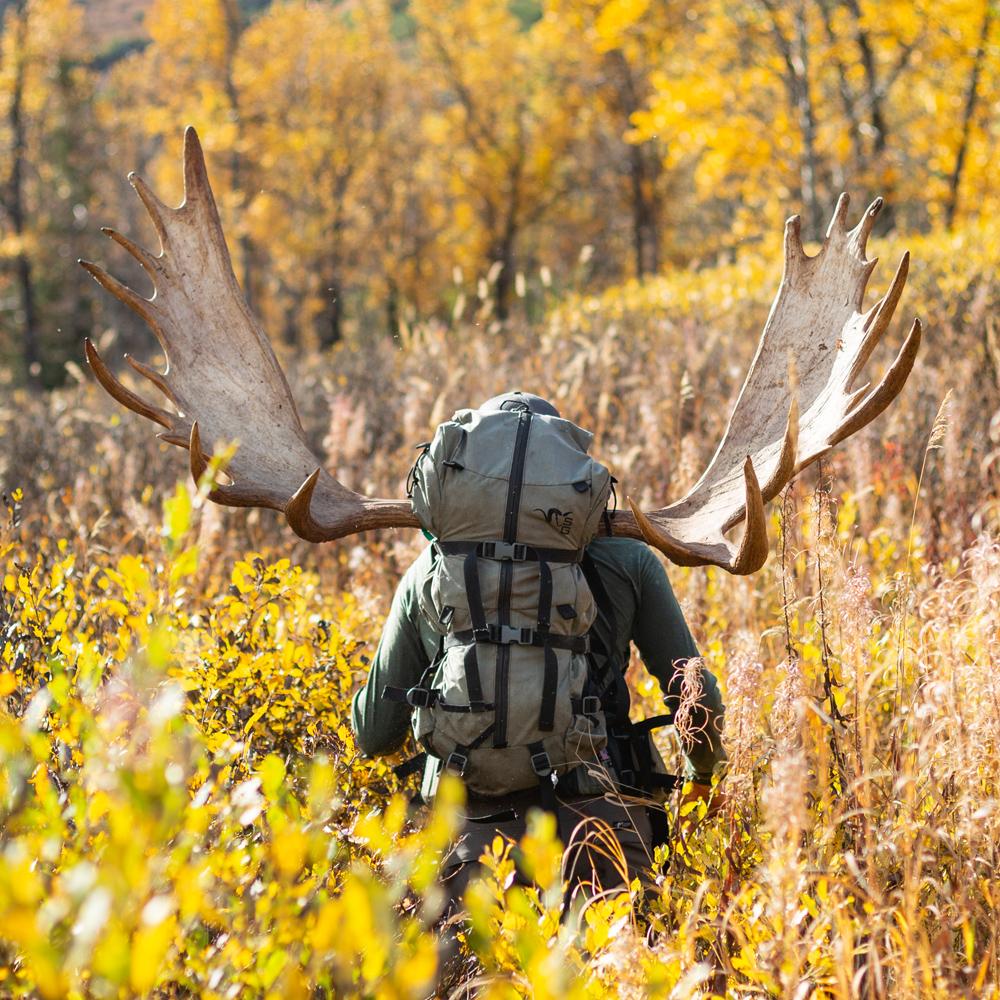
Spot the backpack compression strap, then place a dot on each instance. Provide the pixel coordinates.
(503, 551)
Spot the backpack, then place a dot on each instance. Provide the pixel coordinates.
(511, 499)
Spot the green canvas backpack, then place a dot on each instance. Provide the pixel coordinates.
(511, 499)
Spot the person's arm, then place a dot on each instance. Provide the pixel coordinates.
(665, 644)
(381, 726)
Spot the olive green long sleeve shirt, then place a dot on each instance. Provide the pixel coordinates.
(646, 613)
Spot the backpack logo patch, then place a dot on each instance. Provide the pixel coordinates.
(561, 520)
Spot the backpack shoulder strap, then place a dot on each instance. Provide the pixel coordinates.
(602, 599)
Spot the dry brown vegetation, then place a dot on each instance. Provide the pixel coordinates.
(857, 854)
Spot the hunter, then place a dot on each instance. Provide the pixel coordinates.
(635, 604)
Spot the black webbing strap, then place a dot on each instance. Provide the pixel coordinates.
(472, 589)
(550, 679)
(647, 778)
(659, 825)
(503, 635)
(482, 737)
(656, 781)
(610, 677)
(411, 766)
(510, 551)
(654, 722)
(473, 681)
(550, 687)
(634, 739)
(544, 596)
(422, 697)
(458, 760)
(603, 599)
(541, 764)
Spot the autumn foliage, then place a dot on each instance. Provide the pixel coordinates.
(431, 202)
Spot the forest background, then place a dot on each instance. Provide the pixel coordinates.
(429, 202)
(379, 163)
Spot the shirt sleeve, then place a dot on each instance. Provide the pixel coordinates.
(665, 644)
(381, 726)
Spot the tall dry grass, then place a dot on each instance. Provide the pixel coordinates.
(857, 853)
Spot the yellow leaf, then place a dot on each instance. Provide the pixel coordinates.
(177, 514)
(289, 850)
(149, 948)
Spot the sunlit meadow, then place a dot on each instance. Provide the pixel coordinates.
(183, 811)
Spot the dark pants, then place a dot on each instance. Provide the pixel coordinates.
(608, 844)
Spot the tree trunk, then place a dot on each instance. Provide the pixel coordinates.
(392, 308)
(971, 100)
(807, 125)
(847, 98)
(234, 29)
(795, 54)
(331, 330)
(642, 176)
(875, 95)
(645, 214)
(505, 279)
(15, 205)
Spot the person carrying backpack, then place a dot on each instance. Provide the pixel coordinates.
(507, 641)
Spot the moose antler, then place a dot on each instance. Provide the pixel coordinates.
(797, 402)
(222, 376)
(226, 385)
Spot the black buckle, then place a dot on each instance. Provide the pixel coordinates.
(504, 551)
(457, 763)
(541, 764)
(501, 635)
(591, 705)
(420, 697)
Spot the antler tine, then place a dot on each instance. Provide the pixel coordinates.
(196, 184)
(230, 496)
(785, 468)
(298, 512)
(196, 457)
(747, 558)
(752, 553)
(154, 376)
(652, 534)
(864, 228)
(783, 471)
(124, 396)
(176, 437)
(143, 306)
(150, 264)
(838, 221)
(886, 391)
(155, 208)
(794, 253)
(879, 317)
